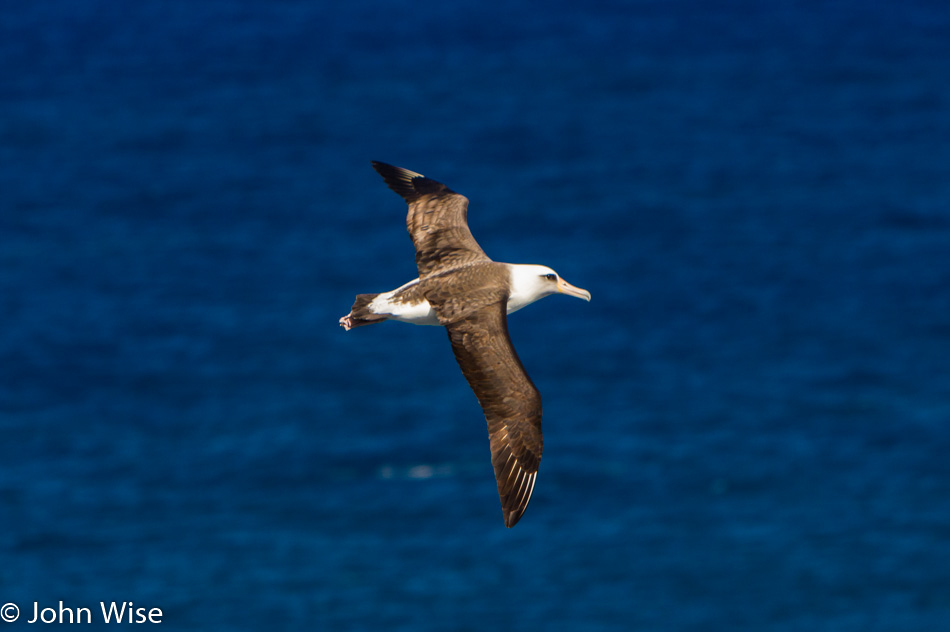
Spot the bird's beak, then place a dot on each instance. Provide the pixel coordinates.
(563, 287)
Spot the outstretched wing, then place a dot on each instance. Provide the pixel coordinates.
(437, 221)
(511, 403)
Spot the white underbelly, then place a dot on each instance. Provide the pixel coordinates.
(420, 313)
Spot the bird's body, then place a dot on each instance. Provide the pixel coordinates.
(460, 288)
(408, 304)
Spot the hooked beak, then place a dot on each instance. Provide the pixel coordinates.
(563, 287)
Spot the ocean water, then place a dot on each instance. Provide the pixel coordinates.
(747, 428)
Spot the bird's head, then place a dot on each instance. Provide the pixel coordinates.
(532, 282)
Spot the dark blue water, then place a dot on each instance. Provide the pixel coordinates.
(746, 429)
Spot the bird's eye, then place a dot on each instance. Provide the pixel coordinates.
(550, 277)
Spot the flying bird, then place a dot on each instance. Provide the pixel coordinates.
(470, 295)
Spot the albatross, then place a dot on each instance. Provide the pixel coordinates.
(470, 295)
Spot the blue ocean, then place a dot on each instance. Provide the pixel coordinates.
(746, 429)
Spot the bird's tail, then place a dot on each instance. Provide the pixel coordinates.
(360, 313)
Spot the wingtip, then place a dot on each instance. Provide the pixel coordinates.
(511, 519)
(398, 179)
(514, 505)
(392, 171)
(513, 515)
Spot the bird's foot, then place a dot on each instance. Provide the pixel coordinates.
(346, 323)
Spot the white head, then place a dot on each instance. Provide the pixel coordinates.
(531, 282)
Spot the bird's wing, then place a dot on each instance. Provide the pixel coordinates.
(511, 403)
(437, 221)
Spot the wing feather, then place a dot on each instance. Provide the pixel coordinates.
(510, 401)
(437, 221)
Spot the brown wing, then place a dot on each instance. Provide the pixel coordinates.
(437, 221)
(511, 403)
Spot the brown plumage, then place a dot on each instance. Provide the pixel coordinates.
(460, 288)
(510, 400)
(437, 221)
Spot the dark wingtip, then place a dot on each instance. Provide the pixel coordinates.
(399, 180)
(516, 494)
(512, 518)
(515, 510)
(409, 185)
